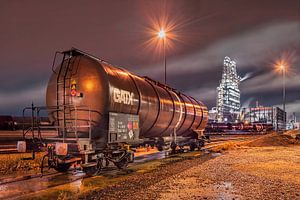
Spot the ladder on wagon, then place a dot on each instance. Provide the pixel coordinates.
(67, 68)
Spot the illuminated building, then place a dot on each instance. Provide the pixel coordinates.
(228, 99)
(274, 116)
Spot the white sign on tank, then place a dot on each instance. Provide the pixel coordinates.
(122, 96)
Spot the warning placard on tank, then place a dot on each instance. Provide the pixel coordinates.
(123, 127)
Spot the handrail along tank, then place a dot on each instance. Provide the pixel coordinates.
(104, 88)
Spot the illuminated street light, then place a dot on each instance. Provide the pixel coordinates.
(162, 35)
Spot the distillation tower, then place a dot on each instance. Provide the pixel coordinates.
(228, 99)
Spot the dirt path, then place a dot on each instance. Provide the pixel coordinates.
(246, 173)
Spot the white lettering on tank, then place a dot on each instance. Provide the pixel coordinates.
(122, 96)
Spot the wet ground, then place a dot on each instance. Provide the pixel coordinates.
(20, 188)
(71, 180)
(246, 173)
(152, 176)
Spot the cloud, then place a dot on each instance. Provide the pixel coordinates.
(197, 73)
(292, 107)
(247, 103)
(203, 94)
(248, 49)
(270, 82)
(15, 102)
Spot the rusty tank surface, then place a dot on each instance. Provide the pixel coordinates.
(84, 87)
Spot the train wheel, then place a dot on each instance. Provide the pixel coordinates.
(42, 163)
(100, 165)
(123, 163)
(131, 157)
(160, 144)
(90, 171)
(62, 167)
(160, 148)
(106, 162)
(181, 149)
(193, 146)
(201, 143)
(173, 147)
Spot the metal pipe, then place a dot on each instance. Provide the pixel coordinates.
(32, 119)
(38, 122)
(64, 126)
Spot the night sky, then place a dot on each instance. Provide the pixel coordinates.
(255, 33)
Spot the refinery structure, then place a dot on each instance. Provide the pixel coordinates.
(228, 109)
(228, 93)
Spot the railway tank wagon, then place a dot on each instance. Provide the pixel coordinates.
(96, 106)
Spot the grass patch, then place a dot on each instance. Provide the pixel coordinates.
(12, 163)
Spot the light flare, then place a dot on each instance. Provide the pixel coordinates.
(166, 28)
(162, 34)
(286, 60)
(281, 65)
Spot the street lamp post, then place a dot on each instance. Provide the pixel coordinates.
(283, 93)
(162, 35)
(165, 59)
(283, 86)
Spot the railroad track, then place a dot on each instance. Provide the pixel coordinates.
(8, 148)
(11, 145)
(144, 157)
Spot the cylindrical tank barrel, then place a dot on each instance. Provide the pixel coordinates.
(105, 88)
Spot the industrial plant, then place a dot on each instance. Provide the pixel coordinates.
(228, 106)
(228, 93)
